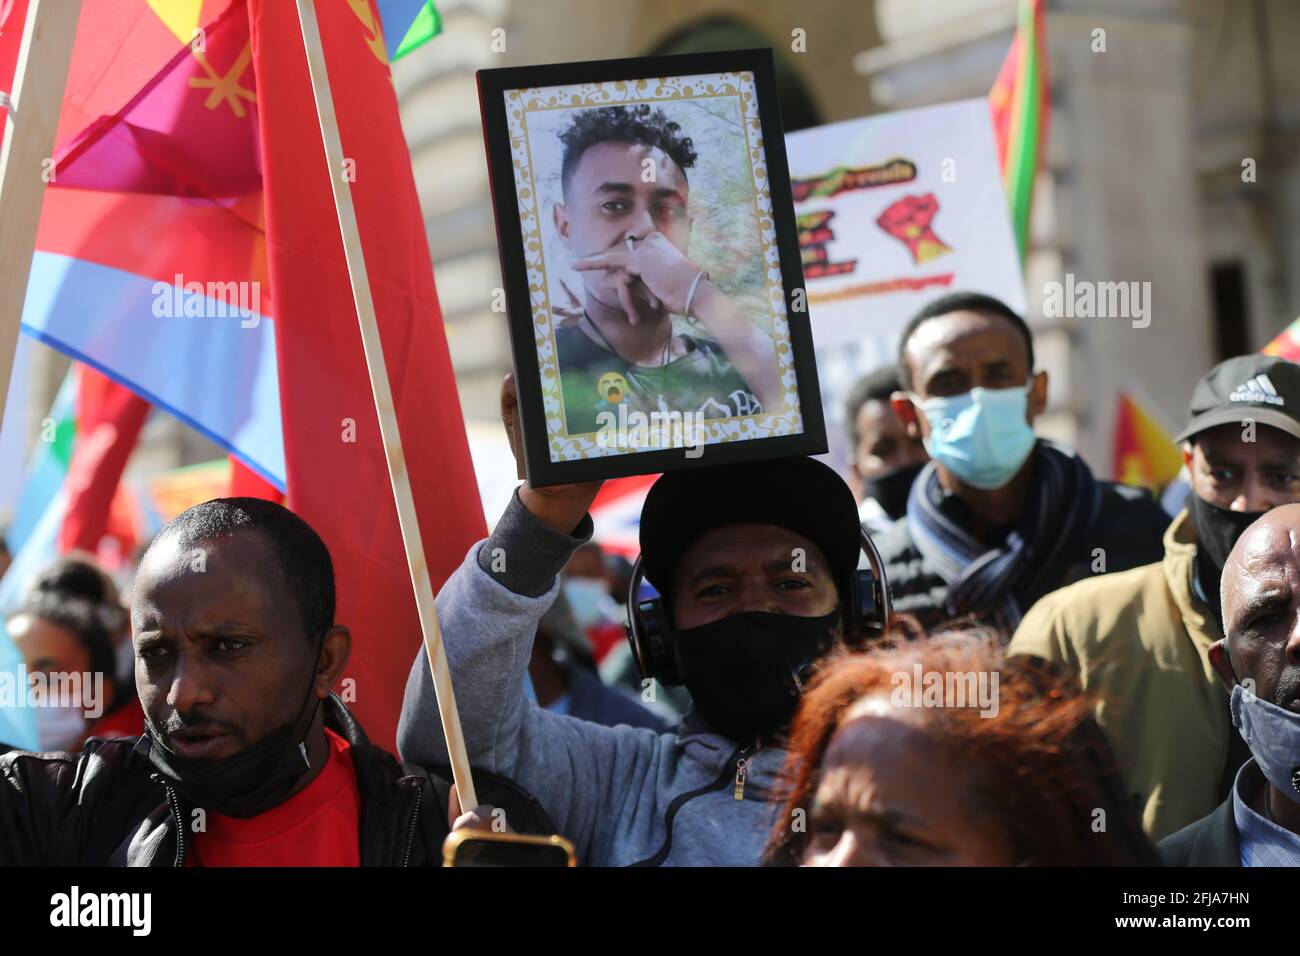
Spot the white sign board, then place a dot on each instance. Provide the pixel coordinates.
(895, 210)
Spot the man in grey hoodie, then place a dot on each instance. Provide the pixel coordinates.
(756, 566)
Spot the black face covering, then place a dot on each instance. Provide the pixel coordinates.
(891, 489)
(745, 672)
(243, 784)
(1217, 530)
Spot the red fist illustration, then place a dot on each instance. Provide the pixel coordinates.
(908, 221)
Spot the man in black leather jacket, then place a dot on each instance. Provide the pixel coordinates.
(247, 758)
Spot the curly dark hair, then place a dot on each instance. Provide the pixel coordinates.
(624, 124)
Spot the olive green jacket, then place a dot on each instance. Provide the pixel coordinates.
(1138, 641)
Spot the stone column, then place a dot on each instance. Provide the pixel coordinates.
(1116, 201)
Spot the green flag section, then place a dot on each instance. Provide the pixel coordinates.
(1018, 102)
(427, 25)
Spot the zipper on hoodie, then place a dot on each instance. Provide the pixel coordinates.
(180, 825)
(742, 766)
(410, 833)
(738, 760)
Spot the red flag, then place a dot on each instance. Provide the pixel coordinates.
(109, 419)
(1144, 453)
(121, 47)
(155, 213)
(13, 15)
(1001, 98)
(337, 477)
(246, 483)
(189, 131)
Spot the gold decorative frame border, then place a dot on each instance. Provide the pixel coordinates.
(739, 85)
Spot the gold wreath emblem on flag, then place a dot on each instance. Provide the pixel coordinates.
(365, 11)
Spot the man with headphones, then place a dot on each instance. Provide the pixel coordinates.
(757, 570)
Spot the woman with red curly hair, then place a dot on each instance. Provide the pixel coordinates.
(942, 752)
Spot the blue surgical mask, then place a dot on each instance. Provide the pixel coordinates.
(60, 727)
(1273, 735)
(981, 436)
(590, 602)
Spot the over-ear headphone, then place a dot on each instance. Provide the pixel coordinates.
(868, 610)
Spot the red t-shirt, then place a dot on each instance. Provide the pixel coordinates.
(318, 826)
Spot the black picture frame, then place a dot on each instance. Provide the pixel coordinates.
(541, 470)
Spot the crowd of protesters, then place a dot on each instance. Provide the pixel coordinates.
(1096, 682)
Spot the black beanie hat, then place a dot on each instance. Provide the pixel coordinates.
(799, 494)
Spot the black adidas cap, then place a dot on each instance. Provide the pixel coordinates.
(1262, 388)
(800, 494)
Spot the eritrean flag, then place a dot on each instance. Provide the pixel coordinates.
(337, 473)
(1286, 344)
(408, 24)
(190, 254)
(151, 256)
(1144, 453)
(1019, 105)
(151, 264)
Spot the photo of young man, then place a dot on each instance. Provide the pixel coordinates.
(651, 330)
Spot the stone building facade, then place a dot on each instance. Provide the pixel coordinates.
(1171, 160)
(1143, 179)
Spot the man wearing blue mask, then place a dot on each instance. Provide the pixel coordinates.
(1259, 663)
(999, 517)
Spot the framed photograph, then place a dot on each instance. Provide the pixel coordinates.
(651, 265)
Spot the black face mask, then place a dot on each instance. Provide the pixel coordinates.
(891, 489)
(243, 784)
(1217, 530)
(745, 672)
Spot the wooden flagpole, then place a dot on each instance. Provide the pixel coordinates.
(39, 78)
(388, 428)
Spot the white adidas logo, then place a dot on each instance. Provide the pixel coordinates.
(1258, 389)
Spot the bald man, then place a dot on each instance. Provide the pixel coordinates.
(1139, 641)
(1259, 662)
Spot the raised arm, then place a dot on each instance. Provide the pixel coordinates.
(489, 609)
